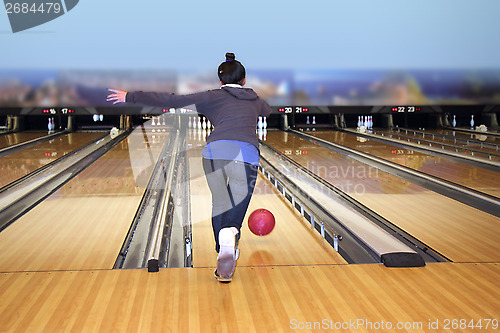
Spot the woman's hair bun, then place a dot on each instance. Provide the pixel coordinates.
(231, 71)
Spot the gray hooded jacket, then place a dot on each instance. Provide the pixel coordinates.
(233, 110)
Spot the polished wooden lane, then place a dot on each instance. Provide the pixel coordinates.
(474, 142)
(21, 163)
(265, 296)
(456, 230)
(480, 179)
(358, 298)
(16, 138)
(465, 135)
(83, 224)
(292, 242)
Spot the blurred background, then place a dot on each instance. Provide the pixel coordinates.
(296, 53)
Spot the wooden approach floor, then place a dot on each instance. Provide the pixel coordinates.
(260, 299)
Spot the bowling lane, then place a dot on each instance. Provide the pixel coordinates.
(465, 135)
(16, 138)
(473, 143)
(23, 162)
(292, 242)
(454, 229)
(84, 223)
(479, 179)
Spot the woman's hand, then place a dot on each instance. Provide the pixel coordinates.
(119, 96)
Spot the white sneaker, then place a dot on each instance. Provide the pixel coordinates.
(227, 279)
(226, 260)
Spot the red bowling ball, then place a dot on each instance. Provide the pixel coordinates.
(261, 222)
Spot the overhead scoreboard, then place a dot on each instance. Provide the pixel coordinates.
(406, 109)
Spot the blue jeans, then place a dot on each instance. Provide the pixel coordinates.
(231, 184)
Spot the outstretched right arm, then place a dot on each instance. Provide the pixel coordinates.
(118, 96)
(158, 99)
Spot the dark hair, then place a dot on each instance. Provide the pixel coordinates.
(231, 70)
